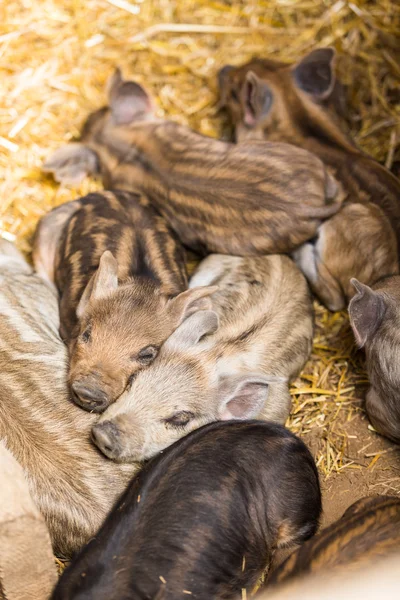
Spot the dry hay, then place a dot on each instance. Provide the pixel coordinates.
(55, 57)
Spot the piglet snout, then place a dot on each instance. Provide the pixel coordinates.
(106, 437)
(89, 397)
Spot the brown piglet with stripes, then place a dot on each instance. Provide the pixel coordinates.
(121, 276)
(302, 104)
(259, 198)
(368, 530)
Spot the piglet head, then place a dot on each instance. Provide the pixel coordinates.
(120, 331)
(128, 104)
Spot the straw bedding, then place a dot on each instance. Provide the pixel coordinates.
(55, 57)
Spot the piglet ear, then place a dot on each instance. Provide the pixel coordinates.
(72, 163)
(128, 100)
(366, 310)
(191, 301)
(257, 99)
(243, 396)
(102, 283)
(193, 329)
(314, 74)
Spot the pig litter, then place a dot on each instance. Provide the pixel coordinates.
(55, 57)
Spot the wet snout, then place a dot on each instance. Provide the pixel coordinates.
(106, 436)
(89, 395)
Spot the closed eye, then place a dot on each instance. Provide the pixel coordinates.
(180, 419)
(85, 336)
(147, 355)
(130, 380)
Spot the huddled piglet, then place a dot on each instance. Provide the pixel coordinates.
(121, 275)
(380, 579)
(375, 318)
(233, 362)
(368, 530)
(302, 103)
(259, 198)
(202, 519)
(71, 483)
(27, 568)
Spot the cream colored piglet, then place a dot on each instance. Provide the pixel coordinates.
(27, 567)
(71, 483)
(233, 362)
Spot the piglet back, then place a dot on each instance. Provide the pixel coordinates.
(203, 518)
(369, 529)
(27, 568)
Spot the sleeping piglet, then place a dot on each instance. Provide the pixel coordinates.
(256, 198)
(202, 519)
(121, 276)
(375, 317)
(369, 529)
(72, 484)
(302, 103)
(233, 362)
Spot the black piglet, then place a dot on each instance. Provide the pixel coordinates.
(202, 520)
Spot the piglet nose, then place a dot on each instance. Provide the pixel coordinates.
(106, 437)
(89, 397)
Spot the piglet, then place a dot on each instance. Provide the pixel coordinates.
(71, 483)
(121, 276)
(375, 317)
(259, 198)
(368, 530)
(27, 568)
(234, 362)
(202, 519)
(302, 103)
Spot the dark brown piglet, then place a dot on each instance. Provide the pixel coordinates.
(368, 530)
(375, 318)
(259, 198)
(121, 276)
(202, 519)
(302, 104)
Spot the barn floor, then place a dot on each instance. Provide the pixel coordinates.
(55, 57)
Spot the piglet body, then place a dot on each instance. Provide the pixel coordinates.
(70, 482)
(303, 104)
(368, 530)
(202, 519)
(261, 198)
(27, 568)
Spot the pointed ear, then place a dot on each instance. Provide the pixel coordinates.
(102, 283)
(72, 163)
(191, 301)
(257, 99)
(193, 329)
(366, 310)
(314, 74)
(243, 396)
(128, 100)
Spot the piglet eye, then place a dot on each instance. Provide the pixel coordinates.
(85, 337)
(130, 380)
(147, 355)
(180, 419)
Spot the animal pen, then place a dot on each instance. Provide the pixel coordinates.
(55, 58)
